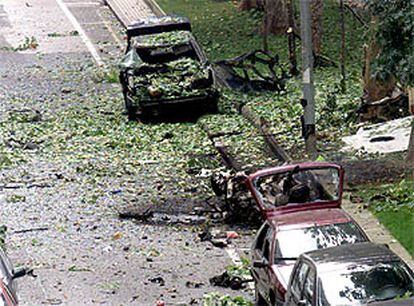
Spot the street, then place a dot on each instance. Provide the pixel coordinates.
(65, 194)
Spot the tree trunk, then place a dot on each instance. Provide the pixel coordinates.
(276, 17)
(374, 89)
(317, 29)
(250, 4)
(410, 155)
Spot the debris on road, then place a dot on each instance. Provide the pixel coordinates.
(388, 137)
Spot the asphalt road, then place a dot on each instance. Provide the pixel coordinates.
(83, 254)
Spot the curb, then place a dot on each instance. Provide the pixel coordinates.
(155, 8)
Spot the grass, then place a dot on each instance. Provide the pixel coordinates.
(224, 32)
(393, 205)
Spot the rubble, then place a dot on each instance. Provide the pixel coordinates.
(388, 137)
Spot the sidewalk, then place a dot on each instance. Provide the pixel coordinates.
(129, 11)
(376, 231)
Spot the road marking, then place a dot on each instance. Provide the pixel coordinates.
(82, 34)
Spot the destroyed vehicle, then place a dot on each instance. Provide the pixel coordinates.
(257, 70)
(284, 237)
(165, 73)
(358, 274)
(297, 187)
(161, 39)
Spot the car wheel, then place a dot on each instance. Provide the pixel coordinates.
(259, 300)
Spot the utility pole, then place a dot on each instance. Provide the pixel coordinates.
(308, 100)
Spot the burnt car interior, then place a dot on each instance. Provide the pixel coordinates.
(298, 186)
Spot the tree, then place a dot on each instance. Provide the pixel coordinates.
(393, 58)
(317, 29)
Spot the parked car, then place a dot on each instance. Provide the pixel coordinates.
(282, 238)
(6, 296)
(8, 276)
(356, 274)
(304, 186)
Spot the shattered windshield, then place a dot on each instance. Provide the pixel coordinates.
(362, 284)
(316, 237)
(299, 186)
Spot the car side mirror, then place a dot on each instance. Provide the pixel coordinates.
(259, 264)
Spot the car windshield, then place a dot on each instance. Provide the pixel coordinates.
(361, 284)
(298, 186)
(292, 243)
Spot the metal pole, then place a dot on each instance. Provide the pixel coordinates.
(343, 46)
(308, 102)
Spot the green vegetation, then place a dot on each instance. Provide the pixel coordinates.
(225, 32)
(393, 204)
(91, 136)
(216, 299)
(175, 38)
(29, 43)
(180, 78)
(394, 30)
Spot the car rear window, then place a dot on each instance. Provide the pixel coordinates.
(292, 243)
(300, 186)
(366, 283)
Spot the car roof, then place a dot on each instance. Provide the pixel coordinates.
(350, 254)
(307, 218)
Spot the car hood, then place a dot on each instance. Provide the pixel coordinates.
(283, 273)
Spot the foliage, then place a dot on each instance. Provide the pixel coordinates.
(181, 78)
(394, 32)
(215, 299)
(393, 204)
(242, 270)
(174, 38)
(29, 43)
(225, 32)
(88, 134)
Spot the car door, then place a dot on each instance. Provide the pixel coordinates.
(262, 252)
(297, 284)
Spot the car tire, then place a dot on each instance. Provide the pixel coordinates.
(259, 300)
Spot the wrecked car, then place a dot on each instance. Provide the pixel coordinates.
(282, 238)
(271, 191)
(359, 274)
(165, 73)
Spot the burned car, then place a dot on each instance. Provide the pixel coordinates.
(283, 237)
(359, 274)
(272, 191)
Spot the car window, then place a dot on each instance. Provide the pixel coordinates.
(366, 283)
(299, 186)
(316, 237)
(300, 277)
(261, 236)
(308, 291)
(266, 250)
